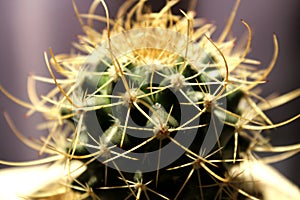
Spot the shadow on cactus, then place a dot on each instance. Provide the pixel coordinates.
(153, 108)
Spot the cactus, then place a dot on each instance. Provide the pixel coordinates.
(153, 108)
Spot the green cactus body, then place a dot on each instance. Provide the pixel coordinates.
(146, 107)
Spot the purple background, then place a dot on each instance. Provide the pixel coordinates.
(28, 28)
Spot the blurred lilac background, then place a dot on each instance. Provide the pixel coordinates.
(30, 27)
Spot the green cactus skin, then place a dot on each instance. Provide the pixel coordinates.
(165, 108)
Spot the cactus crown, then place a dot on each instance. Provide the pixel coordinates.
(153, 107)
